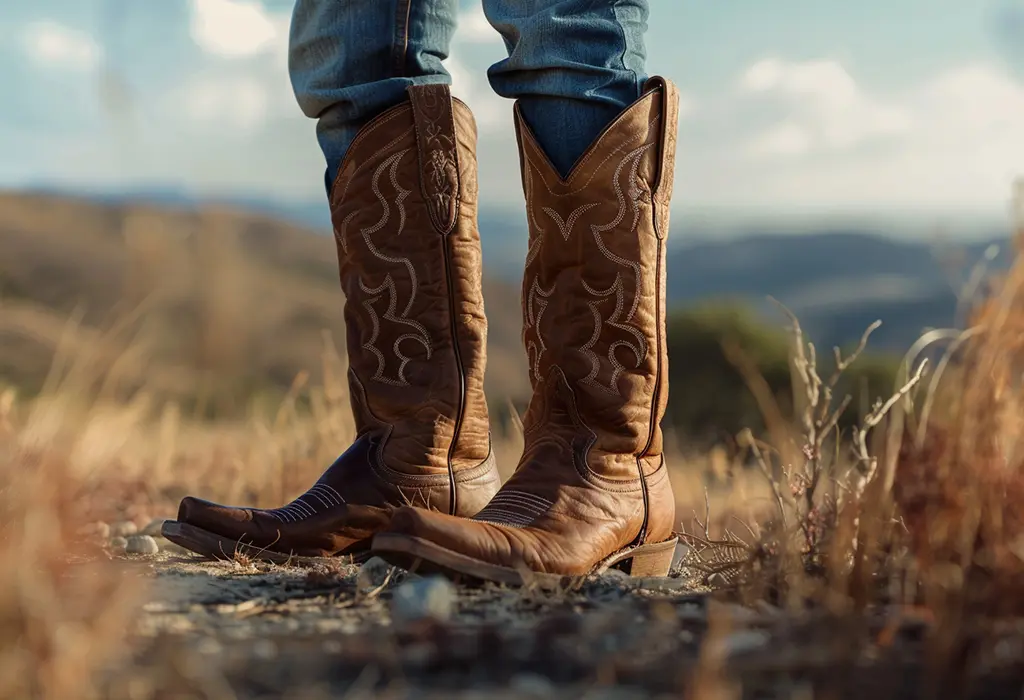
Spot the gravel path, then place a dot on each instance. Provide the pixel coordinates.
(231, 630)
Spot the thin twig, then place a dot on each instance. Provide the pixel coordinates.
(867, 465)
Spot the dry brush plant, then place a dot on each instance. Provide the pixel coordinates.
(76, 454)
(820, 482)
(959, 477)
(918, 512)
(63, 609)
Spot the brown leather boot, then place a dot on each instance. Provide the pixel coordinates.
(592, 489)
(404, 208)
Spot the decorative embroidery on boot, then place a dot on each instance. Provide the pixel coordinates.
(320, 498)
(536, 303)
(420, 335)
(629, 198)
(439, 155)
(513, 509)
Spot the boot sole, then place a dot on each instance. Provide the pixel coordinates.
(424, 557)
(214, 546)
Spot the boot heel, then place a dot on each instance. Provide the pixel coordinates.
(652, 559)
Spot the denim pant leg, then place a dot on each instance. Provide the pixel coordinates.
(574, 65)
(350, 60)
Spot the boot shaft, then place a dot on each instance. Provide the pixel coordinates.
(594, 289)
(404, 209)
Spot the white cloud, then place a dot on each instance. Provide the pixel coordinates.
(236, 28)
(789, 138)
(492, 113)
(824, 108)
(798, 136)
(784, 136)
(475, 46)
(54, 44)
(236, 103)
(473, 28)
(247, 92)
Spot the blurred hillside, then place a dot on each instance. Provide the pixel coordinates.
(837, 280)
(209, 308)
(217, 307)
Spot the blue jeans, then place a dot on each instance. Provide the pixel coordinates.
(574, 65)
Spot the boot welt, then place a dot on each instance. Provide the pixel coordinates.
(421, 556)
(214, 546)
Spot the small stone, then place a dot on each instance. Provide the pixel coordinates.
(531, 685)
(372, 575)
(118, 544)
(154, 528)
(431, 598)
(141, 544)
(124, 528)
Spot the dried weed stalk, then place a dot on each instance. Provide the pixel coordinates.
(959, 479)
(920, 505)
(818, 479)
(63, 609)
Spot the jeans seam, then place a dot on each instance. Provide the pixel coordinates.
(625, 42)
(403, 18)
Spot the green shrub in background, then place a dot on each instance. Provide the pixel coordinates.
(709, 400)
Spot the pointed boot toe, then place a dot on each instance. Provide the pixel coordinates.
(591, 490)
(405, 227)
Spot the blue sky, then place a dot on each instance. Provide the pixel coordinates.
(792, 108)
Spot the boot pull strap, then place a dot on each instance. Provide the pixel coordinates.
(438, 153)
(665, 176)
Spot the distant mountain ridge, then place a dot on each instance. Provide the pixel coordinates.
(836, 280)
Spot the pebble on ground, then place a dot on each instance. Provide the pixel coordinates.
(432, 598)
(141, 544)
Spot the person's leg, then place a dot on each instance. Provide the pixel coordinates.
(350, 60)
(401, 160)
(573, 65)
(591, 490)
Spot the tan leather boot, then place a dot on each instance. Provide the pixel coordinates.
(591, 490)
(404, 208)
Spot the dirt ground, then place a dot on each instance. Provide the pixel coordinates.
(243, 630)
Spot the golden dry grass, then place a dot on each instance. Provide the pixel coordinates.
(63, 610)
(212, 309)
(81, 451)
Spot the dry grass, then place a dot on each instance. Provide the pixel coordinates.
(212, 310)
(921, 507)
(63, 609)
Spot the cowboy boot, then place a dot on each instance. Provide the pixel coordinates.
(592, 489)
(404, 210)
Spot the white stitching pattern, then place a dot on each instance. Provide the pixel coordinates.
(565, 227)
(637, 345)
(513, 508)
(304, 507)
(421, 336)
(535, 305)
(639, 349)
